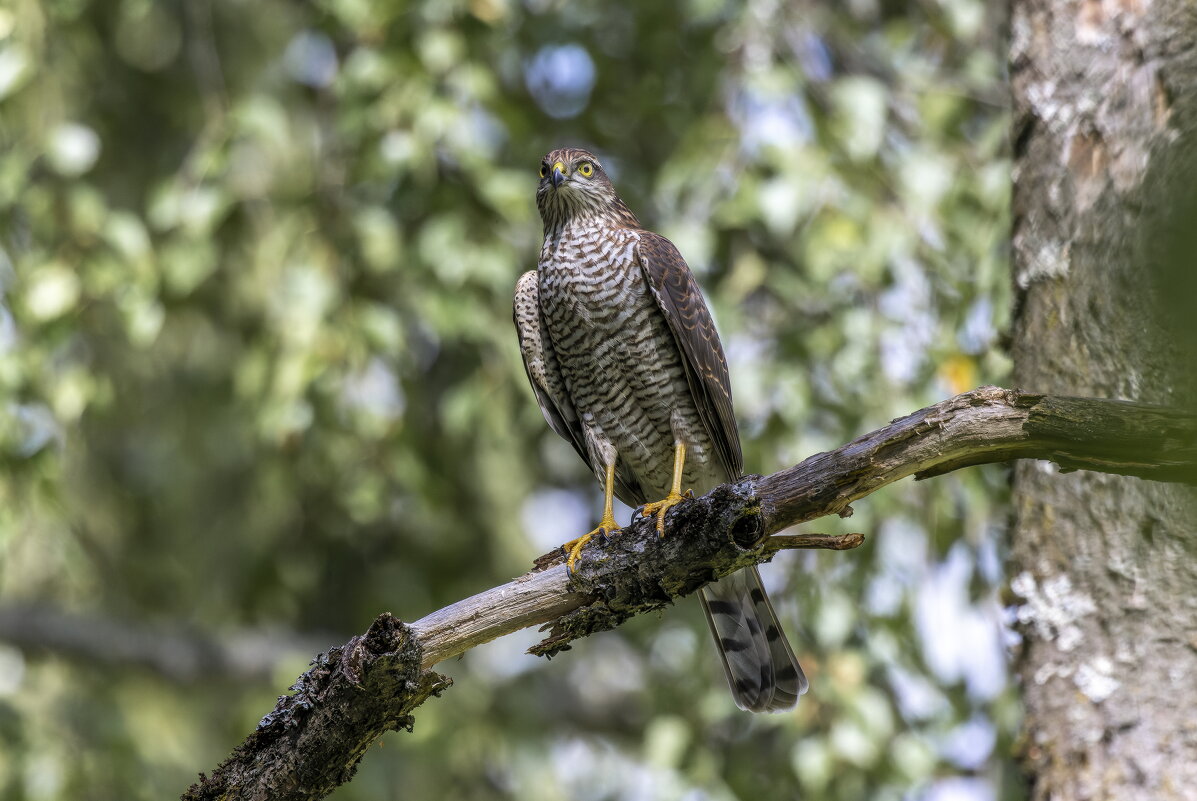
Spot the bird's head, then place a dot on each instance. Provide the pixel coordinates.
(574, 185)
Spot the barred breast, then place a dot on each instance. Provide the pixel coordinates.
(620, 363)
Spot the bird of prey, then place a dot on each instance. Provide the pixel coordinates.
(625, 362)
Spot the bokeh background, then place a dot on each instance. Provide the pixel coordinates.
(259, 381)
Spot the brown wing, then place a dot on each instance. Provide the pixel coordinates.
(681, 301)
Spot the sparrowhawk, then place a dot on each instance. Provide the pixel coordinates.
(625, 362)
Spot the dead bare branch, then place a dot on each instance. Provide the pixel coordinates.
(314, 738)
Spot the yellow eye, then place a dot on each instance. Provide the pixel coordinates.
(543, 171)
(586, 168)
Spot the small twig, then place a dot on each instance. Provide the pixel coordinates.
(831, 542)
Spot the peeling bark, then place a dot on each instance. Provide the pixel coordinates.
(1105, 305)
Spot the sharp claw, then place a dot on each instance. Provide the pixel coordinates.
(570, 561)
(573, 548)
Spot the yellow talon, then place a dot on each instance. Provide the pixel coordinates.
(659, 508)
(573, 548)
(606, 527)
(675, 496)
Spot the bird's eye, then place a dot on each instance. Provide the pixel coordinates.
(543, 171)
(586, 168)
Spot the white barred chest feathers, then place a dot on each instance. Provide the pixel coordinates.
(594, 280)
(619, 361)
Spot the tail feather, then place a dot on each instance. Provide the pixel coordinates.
(761, 669)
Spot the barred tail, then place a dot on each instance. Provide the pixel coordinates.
(761, 669)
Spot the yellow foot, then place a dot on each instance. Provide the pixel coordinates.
(573, 548)
(659, 508)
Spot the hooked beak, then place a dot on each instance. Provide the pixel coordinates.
(558, 176)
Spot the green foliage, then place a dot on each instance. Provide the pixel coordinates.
(257, 369)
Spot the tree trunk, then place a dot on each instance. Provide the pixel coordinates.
(1105, 223)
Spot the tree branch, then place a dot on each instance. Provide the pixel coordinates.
(314, 738)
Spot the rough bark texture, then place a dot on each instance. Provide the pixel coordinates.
(314, 738)
(1105, 304)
